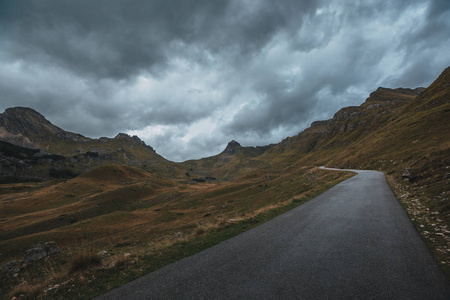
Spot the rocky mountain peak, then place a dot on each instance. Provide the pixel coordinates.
(26, 127)
(133, 139)
(24, 120)
(232, 147)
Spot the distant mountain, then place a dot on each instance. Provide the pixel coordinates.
(26, 127)
(32, 148)
(392, 130)
(235, 160)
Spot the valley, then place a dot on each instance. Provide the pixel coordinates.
(118, 197)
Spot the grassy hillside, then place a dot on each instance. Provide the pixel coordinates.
(144, 212)
(122, 209)
(400, 132)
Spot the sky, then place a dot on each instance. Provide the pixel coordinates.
(187, 77)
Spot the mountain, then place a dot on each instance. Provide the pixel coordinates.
(398, 131)
(125, 199)
(235, 160)
(402, 132)
(348, 125)
(26, 127)
(32, 148)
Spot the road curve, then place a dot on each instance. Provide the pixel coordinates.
(352, 242)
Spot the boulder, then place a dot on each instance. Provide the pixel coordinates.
(40, 251)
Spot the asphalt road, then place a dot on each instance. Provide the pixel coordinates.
(352, 242)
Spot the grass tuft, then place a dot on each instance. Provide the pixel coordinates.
(199, 231)
(121, 261)
(85, 261)
(26, 291)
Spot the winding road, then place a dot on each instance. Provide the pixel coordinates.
(352, 242)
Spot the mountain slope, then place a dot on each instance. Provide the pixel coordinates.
(155, 208)
(235, 160)
(60, 154)
(348, 125)
(405, 136)
(394, 129)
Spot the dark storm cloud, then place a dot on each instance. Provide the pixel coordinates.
(421, 44)
(353, 63)
(119, 38)
(188, 76)
(102, 39)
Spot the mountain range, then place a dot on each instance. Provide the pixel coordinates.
(56, 184)
(393, 130)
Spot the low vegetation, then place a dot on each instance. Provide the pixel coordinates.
(115, 223)
(84, 261)
(122, 220)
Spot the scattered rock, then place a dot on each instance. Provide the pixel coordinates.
(103, 253)
(407, 174)
(40, 251)
(11, 268)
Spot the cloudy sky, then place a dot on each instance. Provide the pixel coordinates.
(189, 76)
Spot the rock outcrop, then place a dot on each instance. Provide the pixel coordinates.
(232, 147)
(40, 251)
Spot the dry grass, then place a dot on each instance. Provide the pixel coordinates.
(27, 291)
(84, 261)
(199, 231)
(146, 216)
(121, 261)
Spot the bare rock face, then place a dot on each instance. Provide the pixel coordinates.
(40, 251)
(347, 113)
(133, 140)
(233, 147)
